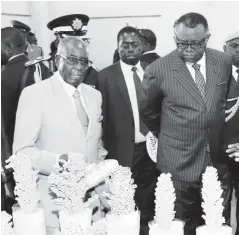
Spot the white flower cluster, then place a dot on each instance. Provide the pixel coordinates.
(213, 202)
(165, 201)
(73, 229)
(6, 224)
(98, 228)
(69, 185)
(122, 190)
(26, 181)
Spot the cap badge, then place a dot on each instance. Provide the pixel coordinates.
(77, 24)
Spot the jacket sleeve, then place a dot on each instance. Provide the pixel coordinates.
(103, 90)
(150, 107)
(27, 130)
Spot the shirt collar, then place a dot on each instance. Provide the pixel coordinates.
(70, 90)
(11, 58)
(234, 73)
(201, 62)
(128, 67)
(152, 51)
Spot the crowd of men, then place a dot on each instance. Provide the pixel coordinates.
(186, 101)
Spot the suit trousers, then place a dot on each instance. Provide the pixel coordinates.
(236, 187)
(144, 175)
(188, 200)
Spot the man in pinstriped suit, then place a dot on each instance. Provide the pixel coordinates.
(190, 85)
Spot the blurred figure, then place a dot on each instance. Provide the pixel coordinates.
(31, 38)
(13, 47)
(72, 25)
(37, 63)
(231, 131)
(149, 43)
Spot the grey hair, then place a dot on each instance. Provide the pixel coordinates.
(70, 40)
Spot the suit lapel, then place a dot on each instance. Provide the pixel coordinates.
(212, 77)
(182, 74)
(120, 81)
(63, 100)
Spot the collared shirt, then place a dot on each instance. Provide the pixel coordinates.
(234, 73)
(152, 51)
(128, 76)
(70, 90)
(202, 63)
(15, 56)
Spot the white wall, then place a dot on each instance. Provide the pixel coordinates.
(222, 17)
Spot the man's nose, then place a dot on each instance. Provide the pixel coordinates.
(189, 48)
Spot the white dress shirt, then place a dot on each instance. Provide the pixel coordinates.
(202, 63)
(70, 90)
(128, 76)
(234, 73)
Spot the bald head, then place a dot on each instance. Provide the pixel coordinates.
(72, 43)
(12, 42)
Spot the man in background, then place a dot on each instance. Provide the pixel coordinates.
(149, 43)
(190, 85)
(231, 130)
(13, 47)
(124, 133)
(37, 64)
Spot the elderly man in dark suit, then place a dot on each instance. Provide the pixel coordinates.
(123, 131)
(190, 85)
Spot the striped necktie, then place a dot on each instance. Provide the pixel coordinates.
(80, 110)
(140, 96)
(200, 81)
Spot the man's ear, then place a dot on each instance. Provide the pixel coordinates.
(225, 48)
(57, 60)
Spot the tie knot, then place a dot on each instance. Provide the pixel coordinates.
(196, 66)
(76, 94)
(237, 71)
(134, 69)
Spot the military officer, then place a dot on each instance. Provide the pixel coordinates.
(72, 25)
(231, 133)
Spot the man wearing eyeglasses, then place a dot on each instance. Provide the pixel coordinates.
(190, 85)
(58, 116)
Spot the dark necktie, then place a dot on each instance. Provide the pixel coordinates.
(81, 113)
(200, 81)
(140, 96)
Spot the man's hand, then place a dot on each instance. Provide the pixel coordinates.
(99, 190)
(233, 151)
(62, 159)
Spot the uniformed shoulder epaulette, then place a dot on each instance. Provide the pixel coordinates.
(37, 60)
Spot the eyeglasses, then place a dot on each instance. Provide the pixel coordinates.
(193, 44)
(74, 61)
